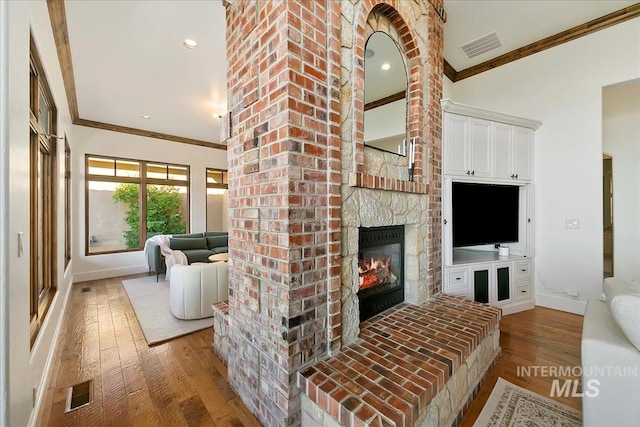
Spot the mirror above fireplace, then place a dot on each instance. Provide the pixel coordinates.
(385, 110)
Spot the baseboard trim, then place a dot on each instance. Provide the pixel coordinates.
(108, 273)
(44, 380)
(518, 306)
(561, 303)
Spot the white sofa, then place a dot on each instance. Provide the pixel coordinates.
(194, 288)
(611, 357)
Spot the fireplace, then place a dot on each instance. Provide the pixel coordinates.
(380, 269)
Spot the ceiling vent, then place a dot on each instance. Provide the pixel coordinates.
(481, 45)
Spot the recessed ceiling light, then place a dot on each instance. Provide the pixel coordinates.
(386, 66)
(190, 44)
(144, 116)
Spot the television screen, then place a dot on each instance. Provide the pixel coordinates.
(484, 213)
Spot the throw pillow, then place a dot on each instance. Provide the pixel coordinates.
(215, 233)
(217, 241)
(181, 244)
(180, 236)
(623, 299)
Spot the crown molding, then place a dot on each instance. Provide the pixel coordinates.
(58, 18)
(449, 71)
(466, 110)
(576, 32)
(147, 133)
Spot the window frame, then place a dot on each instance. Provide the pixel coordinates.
(223, 185)
(67, 203)
(43, 211)
(142, 181)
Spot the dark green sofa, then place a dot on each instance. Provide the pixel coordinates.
(197, 247)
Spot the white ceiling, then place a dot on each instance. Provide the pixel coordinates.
(517, 23)
(129, 61)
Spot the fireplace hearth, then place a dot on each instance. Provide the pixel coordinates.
(380, 269)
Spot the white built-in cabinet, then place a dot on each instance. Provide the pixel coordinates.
(512, 152)
(470, 148)
(489, 147)
(504, 282)
(480, 148)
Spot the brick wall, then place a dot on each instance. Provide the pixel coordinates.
(284, 218)
(287, 92)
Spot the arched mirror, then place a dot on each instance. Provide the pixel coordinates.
(385, 88)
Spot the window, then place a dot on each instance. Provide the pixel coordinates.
(42, 167)
(217, 198)
(129, 201)
(67, 203)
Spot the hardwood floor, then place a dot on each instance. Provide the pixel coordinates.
(182, 383)
(535, 338)
(178, 383)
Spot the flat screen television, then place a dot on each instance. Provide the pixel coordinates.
(484, 214)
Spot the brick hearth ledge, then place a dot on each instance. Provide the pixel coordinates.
(412, 365)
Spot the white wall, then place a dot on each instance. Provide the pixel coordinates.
(27, 367)
(4, 212)
(562, 87)
(101, 142)
(621, 140)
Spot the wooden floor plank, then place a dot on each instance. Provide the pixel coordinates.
(182, 382)
(534, 338)
(134, 384)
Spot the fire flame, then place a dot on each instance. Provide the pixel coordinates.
(371, 272)
(374, 264)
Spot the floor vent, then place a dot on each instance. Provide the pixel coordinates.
(481, 45)
(86, 290)
(79, 395)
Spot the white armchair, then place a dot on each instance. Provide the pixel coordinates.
(194, 288)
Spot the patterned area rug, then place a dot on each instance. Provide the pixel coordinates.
(513, 406)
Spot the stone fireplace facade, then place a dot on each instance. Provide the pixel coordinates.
(301, 182)
(375, 187)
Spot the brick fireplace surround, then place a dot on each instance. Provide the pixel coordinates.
(301, 183)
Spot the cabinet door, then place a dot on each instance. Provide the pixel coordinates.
(480, 279)
(480, 147)
(522, 153)
(503, 293)
(456, 144)
(502, 151)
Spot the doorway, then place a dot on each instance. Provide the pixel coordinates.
(607, 214)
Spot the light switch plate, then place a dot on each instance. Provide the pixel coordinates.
(572, 223)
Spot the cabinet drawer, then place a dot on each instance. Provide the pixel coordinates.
(523, 270)
(458, 279)
(523, 292)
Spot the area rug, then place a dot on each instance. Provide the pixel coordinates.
(513, 406)
(150, 302)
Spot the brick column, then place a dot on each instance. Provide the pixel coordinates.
(284, 198)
